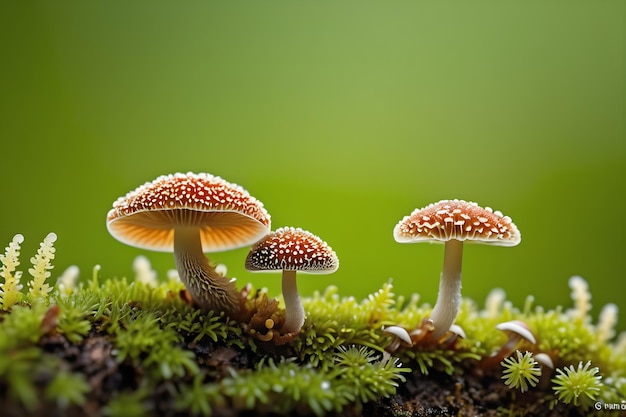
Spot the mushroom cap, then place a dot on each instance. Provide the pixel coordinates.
(227, 216)
(460, 220)
(544, 359)
(292, 249)
(517, 327)
(400, 332)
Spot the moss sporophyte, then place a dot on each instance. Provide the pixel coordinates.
(192, 344)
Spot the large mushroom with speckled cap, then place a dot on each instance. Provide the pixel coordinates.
(190, 214)
(289, 250)
(454, 222)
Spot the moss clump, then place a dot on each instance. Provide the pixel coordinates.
(579, 386)
(119, 347)
(521, 371)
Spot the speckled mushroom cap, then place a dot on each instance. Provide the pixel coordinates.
(227, 216)
(460, 220)
(292, 249)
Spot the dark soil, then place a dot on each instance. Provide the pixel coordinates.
(437, 394)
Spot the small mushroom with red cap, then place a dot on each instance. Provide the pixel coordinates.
(292, 250)
(189, 214)
(454, 222)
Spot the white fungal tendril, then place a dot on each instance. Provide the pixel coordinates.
(221, 269)
(494, 303)
(144, 272)
(620, 345)
(172, 275)
(95, 272)
(582, 299)
(606, 323)
(68, 279)
(528, 304)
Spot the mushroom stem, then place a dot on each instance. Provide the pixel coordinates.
(294, 312)
(209, 289)
(449, 297)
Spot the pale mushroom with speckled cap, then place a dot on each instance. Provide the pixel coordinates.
(289, 250)
(189, 214)
(453, 222)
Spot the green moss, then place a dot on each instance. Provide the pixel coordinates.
(579, 386)
(521, 371)
(136, 347)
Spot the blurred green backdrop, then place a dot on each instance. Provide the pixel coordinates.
(342, 117)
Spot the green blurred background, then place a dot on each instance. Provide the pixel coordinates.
(342, 117)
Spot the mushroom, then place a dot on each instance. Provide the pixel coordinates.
(547, 366)
(517, 332)
(544, 360)
(190, 214)
(455, 333)
(452, 222)
(289, 250)
(400, 335)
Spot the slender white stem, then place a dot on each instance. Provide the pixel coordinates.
(294, 312)
(449, 298)
(210, 290)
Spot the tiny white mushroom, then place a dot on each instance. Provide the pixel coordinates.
(517, 332)
(458, 331)
(453, 335)
(544, 360)
(400, 332)
(400, 335)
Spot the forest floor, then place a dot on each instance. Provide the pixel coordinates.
(435, 394)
